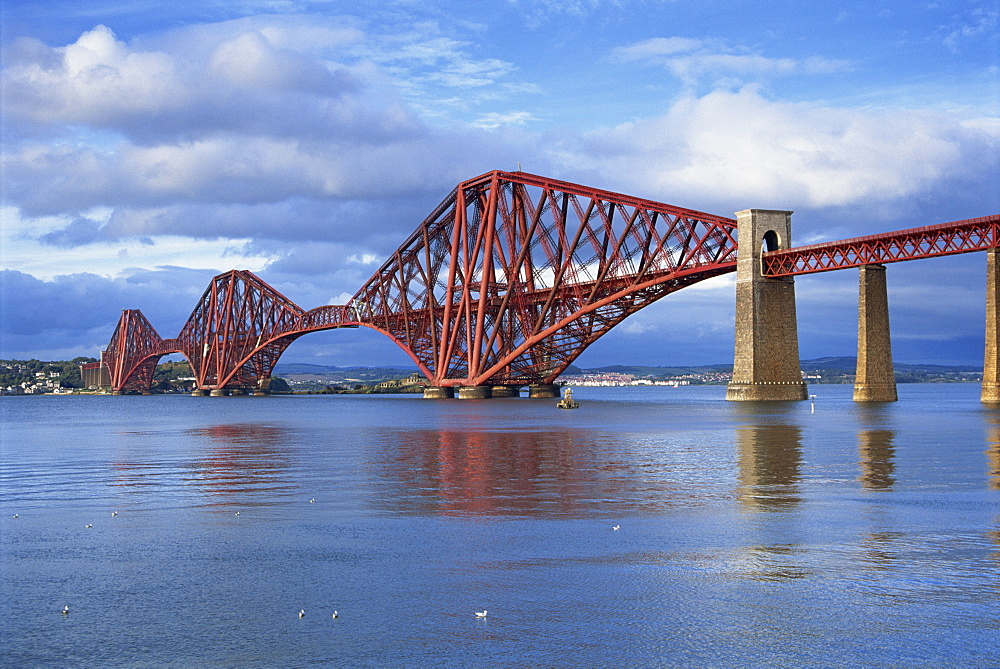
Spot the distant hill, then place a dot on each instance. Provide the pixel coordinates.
(642, 370)
(290, 368)
(850, 364)
(841, 363)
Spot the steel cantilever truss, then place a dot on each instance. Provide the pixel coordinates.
(238, 330)
(514, 275)
(507, 281)
(132, 353)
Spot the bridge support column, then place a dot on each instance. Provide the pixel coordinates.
(474, 392)
(505, 391)
(991, 368)
(198, 392)
(766, 365)
(543, 391)
(439, 392)
(874, 381)
(218, 392)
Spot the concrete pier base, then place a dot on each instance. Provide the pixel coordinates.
(505, 391)
(766, 391)
(218, 392)
(543, 391)
(237, 391)
(198, 392)
(117, 392)
(874, 380)
(766, 364)
(439, 392)
(261, 393)
(991, 366)
(474, 392)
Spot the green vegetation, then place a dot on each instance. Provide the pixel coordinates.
(59, 374)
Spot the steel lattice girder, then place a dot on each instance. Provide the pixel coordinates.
(237, 331)
(132, 353)
(507, 281)
(513, 275)
(976, 234)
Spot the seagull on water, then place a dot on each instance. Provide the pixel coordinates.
(312, 501)
(302, 613)
(481, 614)
(15, 515)
(114, 513)
(616, 527)
(88, 526)
(237, 513)
(65, 610)
(335, 614)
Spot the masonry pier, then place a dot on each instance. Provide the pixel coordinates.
(439, 392)
(991, 366)
(766, 365)
(874, 380)
(543, 391)
(488, 392)
(474, 392)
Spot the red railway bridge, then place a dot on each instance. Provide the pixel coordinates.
(513, 275)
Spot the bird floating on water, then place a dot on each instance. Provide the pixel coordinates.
(114, 513)
(65, 610)
(312, 501)
(616, 527)
(237, 513)
(481, 614)
(335, 614)
(88, 526)
(302, 613)
(15, 515)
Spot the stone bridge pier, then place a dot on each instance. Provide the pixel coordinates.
(991, 367)
(875, 380)
(766, 364)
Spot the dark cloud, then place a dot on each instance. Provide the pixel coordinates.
(79, 303)
(80, 232)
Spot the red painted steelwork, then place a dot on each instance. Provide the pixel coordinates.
(237, 332)
(514, 275)
(507, 281)
(975, 234)
(132, 355)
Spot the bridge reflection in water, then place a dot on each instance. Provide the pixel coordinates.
(993, 452)
(220, 466)
(770, 456)
(550, 472)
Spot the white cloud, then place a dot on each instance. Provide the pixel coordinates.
(981, 22)
(692, 59)
(22, 250)
(495, 120)
(752, 152)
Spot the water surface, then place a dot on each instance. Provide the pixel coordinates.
(749, 534)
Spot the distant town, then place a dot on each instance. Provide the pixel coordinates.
(35, 377)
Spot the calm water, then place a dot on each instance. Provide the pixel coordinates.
(750, 535)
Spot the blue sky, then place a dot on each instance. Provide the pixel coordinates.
(149, 146)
